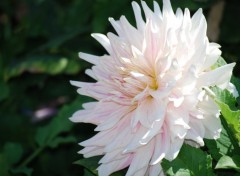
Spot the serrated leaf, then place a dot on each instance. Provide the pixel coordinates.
(190, 162)
(227, 102)
(227, 162)
(232, 118)
(225, 97)
(220, 147)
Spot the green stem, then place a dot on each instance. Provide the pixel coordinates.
(31, 157)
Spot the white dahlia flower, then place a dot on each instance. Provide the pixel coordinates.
(152, 90)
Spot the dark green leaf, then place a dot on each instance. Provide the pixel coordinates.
(88, 173)
(59, 124)
(38, 64)
(236, 82)
(61, 140)
(44, 64)
(190, 162)
(220, 147)
(89, 163)
(59, 40)
(11, 154)
(23, 170)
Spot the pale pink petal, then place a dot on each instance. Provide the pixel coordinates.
(107, 168)
(141, 159)
(138, 16)
(162, 143)
(104, 41)
(212, 78)
(174, 149)
(197, 132)
(156, 170)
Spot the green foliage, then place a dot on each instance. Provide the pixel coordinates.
(227, 162)
(220, 62)
(220, 147)
(40, 41)
(227, 102)
(226, 149)
(190, 162)
(49, 134)
(90, 164)
(11, 154)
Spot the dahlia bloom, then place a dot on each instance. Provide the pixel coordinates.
(152, 90)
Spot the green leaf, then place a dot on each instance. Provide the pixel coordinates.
(227, 102)
(11, 154)
(88, 173)
(49, 134)
(220, 62)
(59, 40)
(22, 170)
(61, 140)
(220, 147)
(236, 82)
(227, 162)
(40, 64)
(225, 97)
(190, 162)
(232, 118)
(90, 164)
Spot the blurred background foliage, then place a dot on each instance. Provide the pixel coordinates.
(39, 45)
